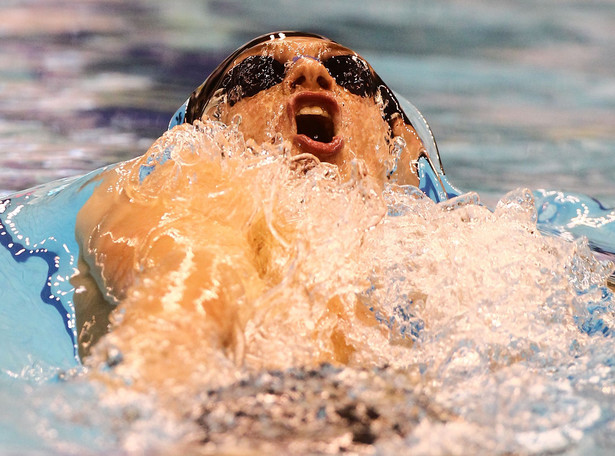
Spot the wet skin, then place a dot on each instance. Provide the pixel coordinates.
(310, 100)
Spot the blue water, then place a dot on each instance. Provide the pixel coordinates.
(518, 95)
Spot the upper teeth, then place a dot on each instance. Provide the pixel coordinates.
(313, 111)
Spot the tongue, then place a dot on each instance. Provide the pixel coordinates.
(321, 149)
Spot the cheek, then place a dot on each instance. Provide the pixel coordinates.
(367, 135)
(366, 130)
(262, 116)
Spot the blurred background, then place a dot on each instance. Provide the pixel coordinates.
(517, 93)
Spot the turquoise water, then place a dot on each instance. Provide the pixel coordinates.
(518, 95)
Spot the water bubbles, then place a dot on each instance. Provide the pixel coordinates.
(236, 121)
(278, 139)
(397, 147)
(114, 356)
(502, 324)
(518, 205)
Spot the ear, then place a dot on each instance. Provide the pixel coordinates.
(406, 171)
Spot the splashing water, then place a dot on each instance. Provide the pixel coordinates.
(506, 331)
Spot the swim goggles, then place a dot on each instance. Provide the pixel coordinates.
(260, 72)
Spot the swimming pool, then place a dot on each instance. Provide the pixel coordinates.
(516, 95)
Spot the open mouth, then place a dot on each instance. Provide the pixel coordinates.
(316, 120)
(315, 123)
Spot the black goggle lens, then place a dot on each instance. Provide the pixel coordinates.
(351, 73)
(252, 75)
(257, 72)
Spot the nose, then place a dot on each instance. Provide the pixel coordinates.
(309, 74)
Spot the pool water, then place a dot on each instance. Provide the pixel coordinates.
(494, 338)
(453, 315)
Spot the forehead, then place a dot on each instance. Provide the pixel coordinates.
(287, 48)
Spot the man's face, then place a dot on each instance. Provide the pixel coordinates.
(316, 94)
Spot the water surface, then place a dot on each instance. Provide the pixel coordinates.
(497, 339)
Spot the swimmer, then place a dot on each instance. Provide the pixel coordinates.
(198, 254)
(190, 255)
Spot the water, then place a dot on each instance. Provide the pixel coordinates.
(498, 339)
(479, 318)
